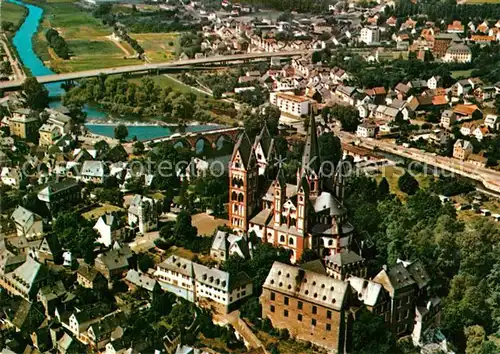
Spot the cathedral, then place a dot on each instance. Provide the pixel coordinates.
(305, 215)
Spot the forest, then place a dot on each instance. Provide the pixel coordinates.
(57, 43)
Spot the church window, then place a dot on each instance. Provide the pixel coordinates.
(330, 243)
(234, 196)
(290, 241)
(240, 197)
(282, 238)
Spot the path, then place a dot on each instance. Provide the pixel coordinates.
(120, 45)
(16, 67)
(233, 318)
(190, 87)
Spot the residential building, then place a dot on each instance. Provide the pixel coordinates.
(109, 229)
(313, 307)
(434, 82)
(458, 53)
(226, 245)
(11, 176)
(25, 280)
(90, 278)
(462, 149)
(291, 104)
(143, 213)
(113, 263)
(207, 287)
(448, 118)
(48, 134)
(492, 121)
(23, 125)
(366, 130)
(481, 132)
(404, 284)
(467, 112)
(28, 224)
(369, 35)
(346, 94)
(372, 295)
(94, 171)
(60, 195)
(456, 27)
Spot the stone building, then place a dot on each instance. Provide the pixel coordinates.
(311, 306)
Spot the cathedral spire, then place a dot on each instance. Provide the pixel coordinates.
(310, 158)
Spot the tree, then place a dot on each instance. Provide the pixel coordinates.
(121, 132)
(408, 184)
(383, 189)
(330, 150)
(138, 147)
(144, 262)
(371, 335)
(37, 96)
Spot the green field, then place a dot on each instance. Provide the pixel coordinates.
(461, 73)
(13, 13)
(158, 47)
(482, 2)
(86, 36)
(164, 81)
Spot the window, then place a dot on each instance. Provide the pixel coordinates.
(282, 238)
(272, 308)
(299, 305)
(328, 327)
(273, 296)
(285, 313)
(299, 317)
(290, 241)
(313, 322)
(329, 314)
(286, 300)
(314, 310)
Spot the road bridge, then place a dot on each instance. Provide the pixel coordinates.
(154, 68)
(190, 139)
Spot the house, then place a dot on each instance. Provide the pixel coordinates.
(467, 128)
(346, 94)
(290, 103)
(434, 82)
(462, 149)
(90, 278)
(10, 176)
(28, 224)
(24, 125)
(226, 245)
(402, 91)
(143, 213)
(136, 279)
(48, 134)
(458, 53)
(49, 250)
(369, 35)
(366, 130)
(109, 229)
(406, 283)
(25, 280)
(492, 121)
(456, 27)
(312, 306)
(481, 132)
(448, 118)
(462, 87)
(60, 195)
(377, 94)
(94, 171)
(114, 262)
(467, 112)
(105, 329)
(478, 159)
(207, 287)
(485, 93)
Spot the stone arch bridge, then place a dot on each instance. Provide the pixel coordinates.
(191, 139)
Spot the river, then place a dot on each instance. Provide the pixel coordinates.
(24, 45)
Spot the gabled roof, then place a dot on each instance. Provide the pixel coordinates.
(342, 259)
(24, 217)
(418, 273)
(245, 149)
(368, 291)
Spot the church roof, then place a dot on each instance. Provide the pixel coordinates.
(245, 149)
(310, 158)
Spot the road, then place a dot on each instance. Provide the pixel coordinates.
(16, 67)
(152, 67)
(490, 178)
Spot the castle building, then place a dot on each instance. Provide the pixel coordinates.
(305, 215)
